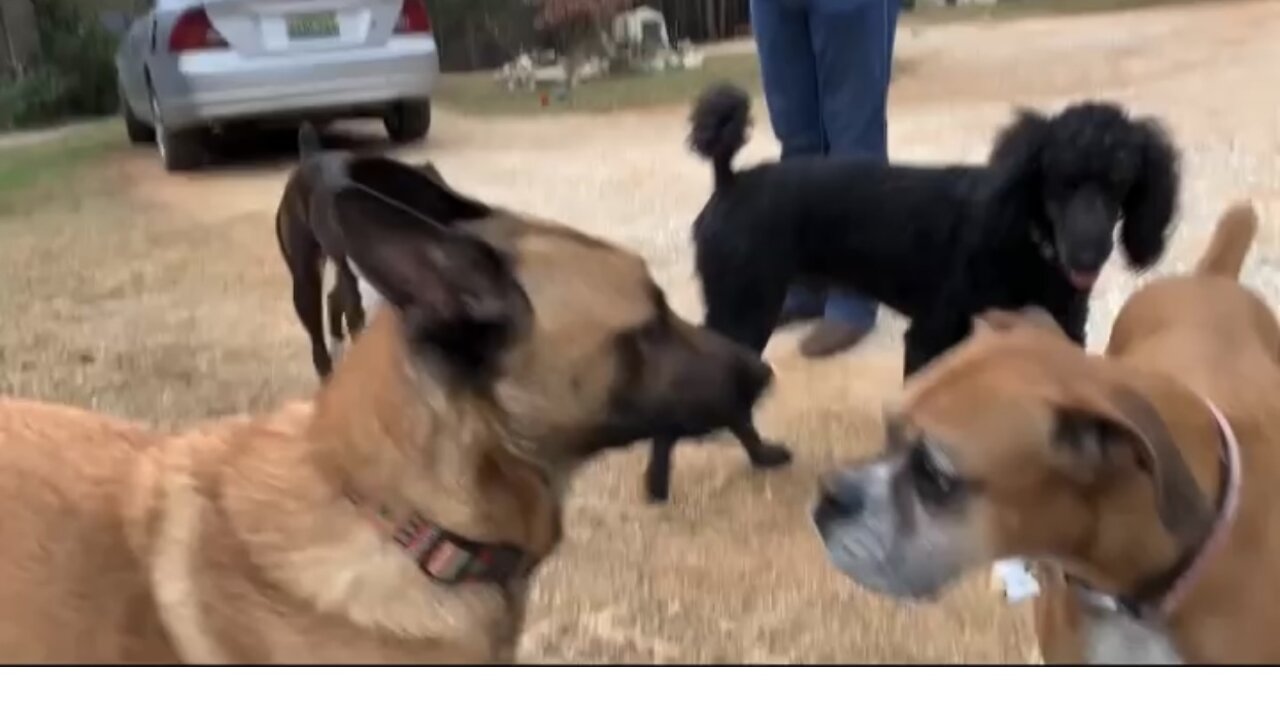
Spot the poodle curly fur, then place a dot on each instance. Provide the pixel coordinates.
(938, 244)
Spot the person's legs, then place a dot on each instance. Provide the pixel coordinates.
(853, 47)
(789, 72)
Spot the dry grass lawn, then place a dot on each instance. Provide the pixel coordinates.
(164, 298)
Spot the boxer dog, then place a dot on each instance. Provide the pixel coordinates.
(399, 516)
(1142, 482)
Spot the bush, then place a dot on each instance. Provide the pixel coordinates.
(38, 97)
(74, 75)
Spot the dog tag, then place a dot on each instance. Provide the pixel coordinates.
(1016, 579)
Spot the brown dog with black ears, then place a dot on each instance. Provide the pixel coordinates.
(399, 516)
(1144, 483)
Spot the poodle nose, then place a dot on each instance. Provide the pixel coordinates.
(1085, 233)
(1087, 258)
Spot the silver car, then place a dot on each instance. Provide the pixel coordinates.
(189, 66)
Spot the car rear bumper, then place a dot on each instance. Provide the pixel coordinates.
(210, 87)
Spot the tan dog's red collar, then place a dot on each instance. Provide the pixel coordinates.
(1162, 595)
(446, 557)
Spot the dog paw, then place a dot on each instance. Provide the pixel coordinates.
(657, 488)
(771, 457)
(656, 499)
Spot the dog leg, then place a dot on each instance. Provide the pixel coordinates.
(1075, 320)
(307, 303)
(353, 297)
(337, 337)
(928, 338)
(764, 455)
(752, 327)
(658, 474)
(915, 353)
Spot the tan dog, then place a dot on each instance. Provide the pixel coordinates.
(396, 518)
(1146, 481)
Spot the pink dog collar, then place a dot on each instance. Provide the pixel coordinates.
(1229, 505)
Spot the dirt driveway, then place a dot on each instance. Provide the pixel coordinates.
(162, 297)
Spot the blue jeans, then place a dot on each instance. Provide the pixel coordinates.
(826, 66)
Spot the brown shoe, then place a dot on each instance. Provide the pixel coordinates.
(831, 337)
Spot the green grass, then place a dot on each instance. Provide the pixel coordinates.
(30, 168)
(1014, 9)
(479, 94)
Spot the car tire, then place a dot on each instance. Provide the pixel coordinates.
(408, 121)
(180, 150)
(138, 131)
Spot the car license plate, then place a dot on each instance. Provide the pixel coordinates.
(312, 25)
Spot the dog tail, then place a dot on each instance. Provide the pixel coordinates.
(308, 141)
(1230, 242)
(719, 124)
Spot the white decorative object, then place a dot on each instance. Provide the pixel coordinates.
(1015, 579)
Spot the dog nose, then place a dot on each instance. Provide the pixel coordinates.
(1087, 254)
(840, 498)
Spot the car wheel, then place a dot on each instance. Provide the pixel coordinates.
(409, 121)
(138, 131)
(179, 150)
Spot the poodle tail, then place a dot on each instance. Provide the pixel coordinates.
(1230, 243)
(308, 141)
(719, 124)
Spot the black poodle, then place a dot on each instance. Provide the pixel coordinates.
(937, 244)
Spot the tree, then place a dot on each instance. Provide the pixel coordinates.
(556, 13)
(19, 39)
(576, 27)
(704, 20)
(476, 34)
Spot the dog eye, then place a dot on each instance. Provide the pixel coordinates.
(934, 480)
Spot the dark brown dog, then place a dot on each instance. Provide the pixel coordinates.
(398, 517)
(1144, 482)
(348, 303)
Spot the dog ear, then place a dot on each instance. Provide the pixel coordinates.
(430, 171)
(1111, 426)
(1151, 203)
(422, 190)
(1003, 320)
(457, 295)
(1015, 158)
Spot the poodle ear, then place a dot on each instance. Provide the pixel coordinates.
(1150, 205)
(1016, 155)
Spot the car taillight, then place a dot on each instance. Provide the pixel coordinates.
(192, 31)
(413, 18)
